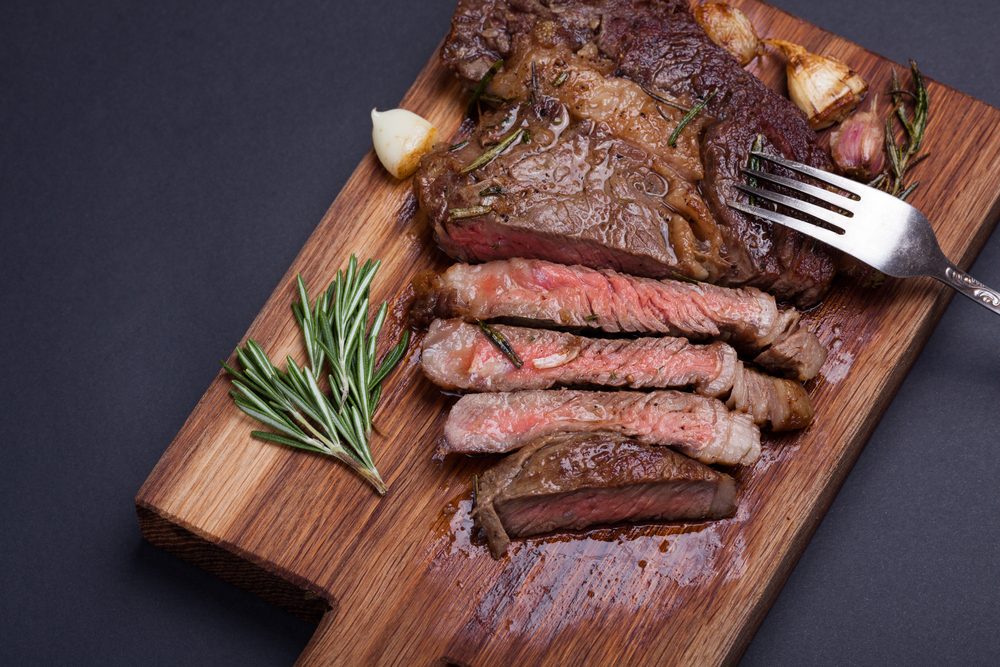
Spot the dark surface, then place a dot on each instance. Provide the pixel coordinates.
(160, 166)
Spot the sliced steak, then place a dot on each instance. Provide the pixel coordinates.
(575, 481)
(698, 426)
(574, 194)
(575, 296)
(659, 45)
(456, 355)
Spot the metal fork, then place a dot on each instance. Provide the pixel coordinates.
(881, 230)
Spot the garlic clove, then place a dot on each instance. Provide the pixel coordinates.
(401, 138)
(857, 146)
(824, 88)
(730, 28)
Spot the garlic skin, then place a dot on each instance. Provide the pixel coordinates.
(730, 28)
(824, 88)
(857, 146)
(401, 138)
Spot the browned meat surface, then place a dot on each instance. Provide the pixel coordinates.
(574, 481)
(575, 296)
(659, 45)
(700, 427)
(574, 193)
(776, 402)
(456, 355)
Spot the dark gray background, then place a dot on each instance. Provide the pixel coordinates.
(160, 166)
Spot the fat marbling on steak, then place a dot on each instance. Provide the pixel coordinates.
(660, 46)
(701, 427)
(575, 481)
(578, 297)
(456, 355)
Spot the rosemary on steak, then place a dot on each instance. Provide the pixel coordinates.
(468, 212)
(664, 100)
(688, 117)
(477, 92)
(560, 79)
(493, 152)
(501, 343)
(911, 109)
(340, 345)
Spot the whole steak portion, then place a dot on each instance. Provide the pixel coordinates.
(660, 46)
(574, 481)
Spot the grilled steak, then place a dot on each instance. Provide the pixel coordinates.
(574, 296)
(456, 355)
(599, 183)
(698, 426)
(659, 45)
(574, 481)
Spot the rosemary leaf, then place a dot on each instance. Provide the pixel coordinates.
(459, 146)
(501, 343)
(688, 117)
(664, 100)
(560, 79)
(491, 191)
(495, 151)
(468, 212)
(480, 88)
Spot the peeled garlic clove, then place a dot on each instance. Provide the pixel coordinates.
(857, 146)
(730, 28)
(401, 138)
(824, 88)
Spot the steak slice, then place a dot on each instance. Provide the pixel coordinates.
(698, 426)
(575, 481)
(456, 355)
(659, 45)
(574, 194)
(575, 296)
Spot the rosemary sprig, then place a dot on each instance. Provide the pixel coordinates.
(337, 339)
(495, 151)
(688, 117)
(902, 155)
(480, 88)
(501, 343)
(468, 212)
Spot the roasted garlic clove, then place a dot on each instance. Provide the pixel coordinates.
(401, 138)
(858, 144)
(824, 88)
(730, 28)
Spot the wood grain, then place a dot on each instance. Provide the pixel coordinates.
(401, 578)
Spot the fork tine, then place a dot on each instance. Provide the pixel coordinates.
(815, 231)
(840, 201)
(798, 205)
(845, 184)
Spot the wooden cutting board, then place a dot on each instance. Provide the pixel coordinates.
(402, 580)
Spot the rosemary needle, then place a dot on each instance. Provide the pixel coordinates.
(339, 341)
(495, 151)
(688, 117)
(480, 88)
(501, 343)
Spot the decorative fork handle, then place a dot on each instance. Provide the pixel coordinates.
(970, 287)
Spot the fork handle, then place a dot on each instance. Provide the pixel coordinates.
(970, 287)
